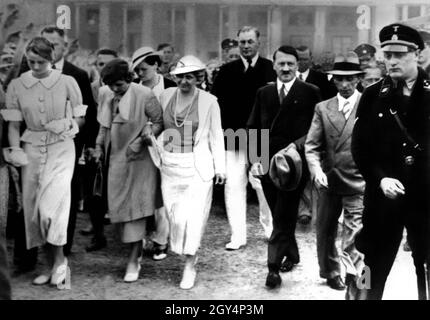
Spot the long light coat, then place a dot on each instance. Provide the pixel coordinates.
(132, 176)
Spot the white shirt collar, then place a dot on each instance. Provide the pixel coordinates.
(28, 80)
(253, 61)
(59, 64)
(304, 74)
(352, 101)
(288, 85)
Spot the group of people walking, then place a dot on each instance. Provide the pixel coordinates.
(155, 147)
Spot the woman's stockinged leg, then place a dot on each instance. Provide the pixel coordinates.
(133, 265)
(189, 274)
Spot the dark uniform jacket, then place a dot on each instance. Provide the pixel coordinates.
(379, 149)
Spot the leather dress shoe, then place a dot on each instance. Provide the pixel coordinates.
(273, 280)
(336, 283)
(96, 244)
(286, 266)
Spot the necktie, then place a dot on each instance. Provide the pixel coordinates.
(54, 67)
(346, 109)
(301, 76)
(249, 66)
(282, 94)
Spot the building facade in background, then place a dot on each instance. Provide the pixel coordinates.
(198, 26)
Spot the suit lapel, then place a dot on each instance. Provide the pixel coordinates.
(335, 117)
(347, 131)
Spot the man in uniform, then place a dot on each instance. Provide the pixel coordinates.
(390, 145)
(366, 55)
(424, 59)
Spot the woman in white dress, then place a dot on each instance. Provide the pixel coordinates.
(50, 105)
(192, 156)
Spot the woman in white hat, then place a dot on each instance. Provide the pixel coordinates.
(145, 63)
(192, 155)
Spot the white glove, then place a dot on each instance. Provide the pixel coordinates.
(15, 156)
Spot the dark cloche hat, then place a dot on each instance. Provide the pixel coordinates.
(398, 37)
(365, 49)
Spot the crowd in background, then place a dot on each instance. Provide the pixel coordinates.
(89, 131)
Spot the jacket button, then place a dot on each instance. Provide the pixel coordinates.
(41, 98)
(404, 144)
(380, 115)
(42, 110)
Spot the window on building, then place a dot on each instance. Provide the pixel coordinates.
(414, 11)
(301, 18)
(342, 44)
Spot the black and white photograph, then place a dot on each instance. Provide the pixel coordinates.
(232, 152)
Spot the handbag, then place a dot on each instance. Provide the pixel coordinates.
(98, 181)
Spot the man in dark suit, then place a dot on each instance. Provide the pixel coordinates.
(235, 87)
(328, 153)
(307, 74)
(391, 147)
(88, 134)
(286, 108)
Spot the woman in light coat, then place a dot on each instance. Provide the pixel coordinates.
(192, 155)
(129, 115)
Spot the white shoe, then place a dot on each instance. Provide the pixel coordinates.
(234, 245)
(188, 279)
(132, 276)
(42, 279)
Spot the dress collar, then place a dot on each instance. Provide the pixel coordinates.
(28, 80)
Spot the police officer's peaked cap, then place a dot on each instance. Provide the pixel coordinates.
(365, 49)
(398, 37)
(229, 43)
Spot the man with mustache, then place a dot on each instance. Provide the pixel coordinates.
(286, 108)
(391, 145)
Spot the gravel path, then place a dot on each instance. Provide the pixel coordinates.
(221, 274)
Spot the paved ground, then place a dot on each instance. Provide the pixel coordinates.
(221, 274)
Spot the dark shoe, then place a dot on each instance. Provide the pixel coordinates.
(336, 283)
(87, 231)
(160, 252)
(304, 220)
(273, 280)
(286, 266)
(96, 244)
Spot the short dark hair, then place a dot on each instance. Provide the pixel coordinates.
(151, 60)
(304, 48)
(116, 70)
(247, 29)
(164, 45)
(52, 29)
(106, 51)
(286, 50)
(41, 47)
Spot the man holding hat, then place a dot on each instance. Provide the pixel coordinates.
(390, 145)
(286, 108)
(328, 154)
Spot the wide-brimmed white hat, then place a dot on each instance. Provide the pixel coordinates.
(345, 65)
(188, 64)
(141, 54)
